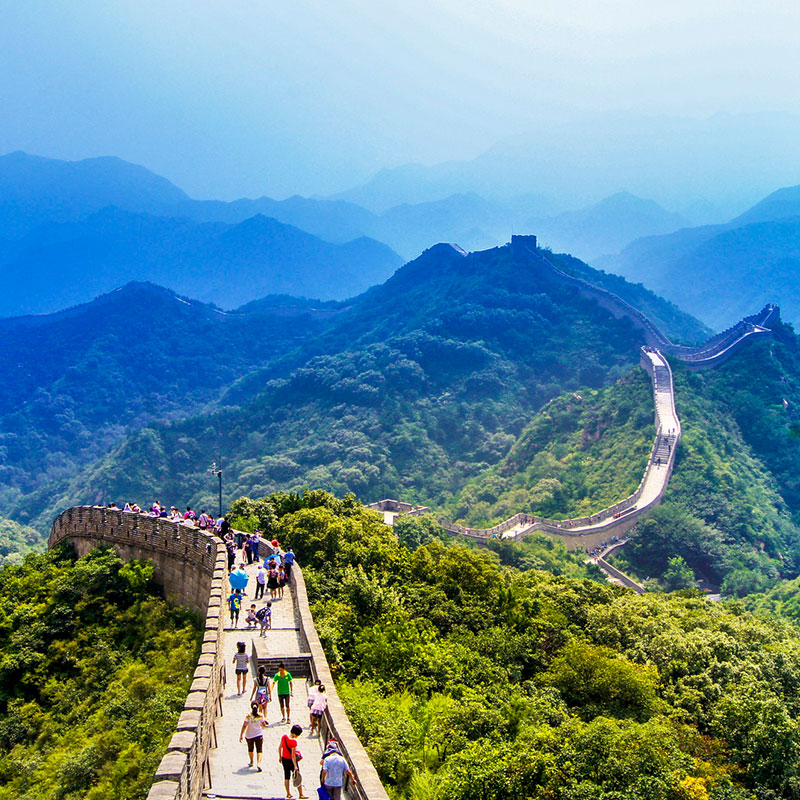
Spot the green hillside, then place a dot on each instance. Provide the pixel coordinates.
(94, 671)
(582, 452)
(459, 672)
(424, 382)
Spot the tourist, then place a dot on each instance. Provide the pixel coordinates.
(235, 606)
(272, 580)
(247, 550)
(288, 563)
(251, 619)
(204, 522)
(282, 683)
(255, 544)
(239, 539)
(261, 581)
(281, 582)
(262, 693)
(253, 733)
(231, 548)
(265, 618)
(334, 769)
(241, 663)
(318, 706)
(288, 757)
(189, 516)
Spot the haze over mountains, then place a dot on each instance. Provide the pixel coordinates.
(716, 272)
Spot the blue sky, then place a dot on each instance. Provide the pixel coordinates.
(245, 98)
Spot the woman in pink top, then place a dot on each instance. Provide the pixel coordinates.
(318, 709)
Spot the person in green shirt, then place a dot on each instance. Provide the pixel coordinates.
(282, 683)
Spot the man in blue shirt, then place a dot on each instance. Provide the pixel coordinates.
(288, 560)
(334, 768)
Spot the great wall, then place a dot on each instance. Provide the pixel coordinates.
(589, 532)
(192, 567)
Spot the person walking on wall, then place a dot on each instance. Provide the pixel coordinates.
(282, 683)
(241, 663)
(235, 606)
(253, 732)
(262, 693)
(261, 581)
(334, 770)
(289, 757)
(318, 706)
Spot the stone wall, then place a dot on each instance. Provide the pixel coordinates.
(192, 567)
(336, 724)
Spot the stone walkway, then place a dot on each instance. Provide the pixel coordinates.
(230, 775)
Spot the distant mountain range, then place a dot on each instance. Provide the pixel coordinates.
(37, 193)
(717, 272)
(60, 264)
(705, 169)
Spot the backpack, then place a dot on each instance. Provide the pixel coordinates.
(262, 613)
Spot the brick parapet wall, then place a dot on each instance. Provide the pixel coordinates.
(191, 565)
(336, 724)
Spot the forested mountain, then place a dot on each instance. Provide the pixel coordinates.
(421, 382)
(731, 511)
(77, 381)
(717, 272)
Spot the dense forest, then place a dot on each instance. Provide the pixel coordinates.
(94, 671)
(421, 384)
(515, 681)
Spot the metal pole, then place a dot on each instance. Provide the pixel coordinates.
(219, 473)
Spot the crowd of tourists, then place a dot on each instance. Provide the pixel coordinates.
(204, 520)
(273, 573)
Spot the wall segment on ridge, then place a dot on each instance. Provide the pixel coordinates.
(192, 567)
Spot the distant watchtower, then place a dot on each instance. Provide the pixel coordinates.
(524, 241)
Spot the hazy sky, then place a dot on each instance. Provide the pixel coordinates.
(237, 97)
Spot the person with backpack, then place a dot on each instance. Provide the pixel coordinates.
(262, 694)
(253, 732)
(282, 683)
(204, 521)
(272, 580)
(264, 616)
(241, 663)
(288, 756)
(235, 606)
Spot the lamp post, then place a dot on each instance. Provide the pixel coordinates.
(218, 472)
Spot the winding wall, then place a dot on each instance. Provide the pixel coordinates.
(590, 531)
(192, 566)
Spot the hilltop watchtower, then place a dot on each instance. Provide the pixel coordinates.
(524, 241)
